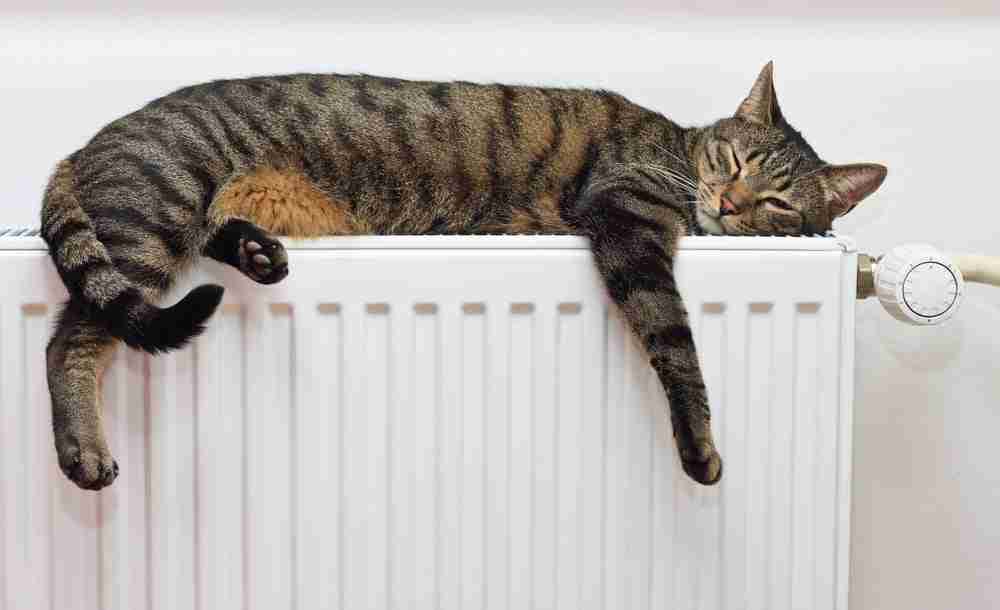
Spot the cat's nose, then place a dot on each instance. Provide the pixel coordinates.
(726, 205)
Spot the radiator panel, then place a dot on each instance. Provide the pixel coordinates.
(444, 423)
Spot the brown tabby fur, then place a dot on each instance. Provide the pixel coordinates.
(216, 169)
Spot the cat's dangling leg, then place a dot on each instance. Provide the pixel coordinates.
(633, 228)
(76, 356)
(252, 250)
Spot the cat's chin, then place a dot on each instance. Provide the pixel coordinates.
(709, 225)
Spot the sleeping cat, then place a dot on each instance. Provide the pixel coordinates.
(218, 169)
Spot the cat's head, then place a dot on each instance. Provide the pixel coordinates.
(755, 174)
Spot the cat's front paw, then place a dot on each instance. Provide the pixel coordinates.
(263, 260)
(703, 464)
(89, 468)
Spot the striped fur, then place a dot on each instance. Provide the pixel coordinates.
(217, 169)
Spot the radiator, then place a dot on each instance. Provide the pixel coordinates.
(448, 423)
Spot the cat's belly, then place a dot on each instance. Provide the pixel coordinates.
(285, 202)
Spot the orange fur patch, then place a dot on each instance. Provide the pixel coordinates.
(283, 202)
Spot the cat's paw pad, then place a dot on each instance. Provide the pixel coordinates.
(89, 469)
(704, 466)
(263, 260)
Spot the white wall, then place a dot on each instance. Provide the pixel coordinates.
(919, 96)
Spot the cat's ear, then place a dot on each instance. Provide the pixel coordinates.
(761, 106)
(847, 185)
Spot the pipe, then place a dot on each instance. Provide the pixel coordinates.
(978, 268)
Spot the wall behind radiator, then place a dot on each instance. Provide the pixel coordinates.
(919, 96)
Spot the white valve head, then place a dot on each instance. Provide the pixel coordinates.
(919, 285)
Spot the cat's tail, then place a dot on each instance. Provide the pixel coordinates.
(111, 299)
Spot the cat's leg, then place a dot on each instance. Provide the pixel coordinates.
(252, 250)
(633, 234)
(76, 357)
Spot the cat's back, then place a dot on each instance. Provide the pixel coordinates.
(392, 148)
(262, 116)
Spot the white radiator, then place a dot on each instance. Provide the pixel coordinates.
(448, 423)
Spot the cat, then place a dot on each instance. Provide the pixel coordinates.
(218, 169)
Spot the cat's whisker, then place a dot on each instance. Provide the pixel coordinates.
(670, 153)
(670, 169)
(674, 177)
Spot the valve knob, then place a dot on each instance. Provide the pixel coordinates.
(919, 285)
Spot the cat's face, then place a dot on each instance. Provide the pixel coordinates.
(756, 175)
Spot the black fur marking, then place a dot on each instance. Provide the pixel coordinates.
(245, 113)
(73, 278)
(205, 132)
(305, 114)
(649, 272)
(154, 175)
(235, 139)
(511, 122)
(140, 273)
(362, 96)
(574, 188)
(171, 237)
(459, 175)
(644, 195)
(217, 87)
(277, 100)
(438, 226)
(439, 93)
(115, 239)
(615, 134)
(390, 83)
(619, 286)
(685, 395)
(205, 180)
(617, 219)
(318, 87)
(355, 174)
(306, 156)
(675, 335)
(493, 162)
(793, 169)
(645, 120)
(404, 137)
(200, 126)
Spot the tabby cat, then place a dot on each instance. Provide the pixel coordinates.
(218, 169)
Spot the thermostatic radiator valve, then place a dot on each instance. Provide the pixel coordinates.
(920, 285)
